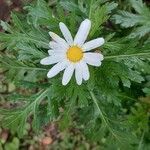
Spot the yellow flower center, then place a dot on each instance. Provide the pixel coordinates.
(74, 54)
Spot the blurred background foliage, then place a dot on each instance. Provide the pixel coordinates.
(111, 111)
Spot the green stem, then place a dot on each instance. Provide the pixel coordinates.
(28, 68)
(100, 111)
(90, 12)
(36, 41)
(124, 96)
(28, 108)
(24, 67)
(128, 55)
(102, 115)
(141, 141)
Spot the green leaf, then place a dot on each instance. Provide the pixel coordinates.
(147, 91)
(40, 14)
(16, 119)
(5, 26)
(19, 70)
(140, 20)
(71, 6)
(13, 145)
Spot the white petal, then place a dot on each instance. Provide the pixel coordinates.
(59, 40)
(57, 47)
(93, 59)
(68, 74)
(78, 73)
(50, 52)
(56, 69)
(66, 33)
(53, 45)
(83, 32)
(93, 44)
(52, 59)
(85, 71)
(56, 52)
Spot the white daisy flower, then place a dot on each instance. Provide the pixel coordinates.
(73, 55)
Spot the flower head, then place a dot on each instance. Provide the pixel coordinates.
(73, 55)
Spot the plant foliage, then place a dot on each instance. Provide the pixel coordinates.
(112, 107)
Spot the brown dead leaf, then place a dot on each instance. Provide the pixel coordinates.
(4, 135)
(145, 99)
(51, 130)
(47, 141)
